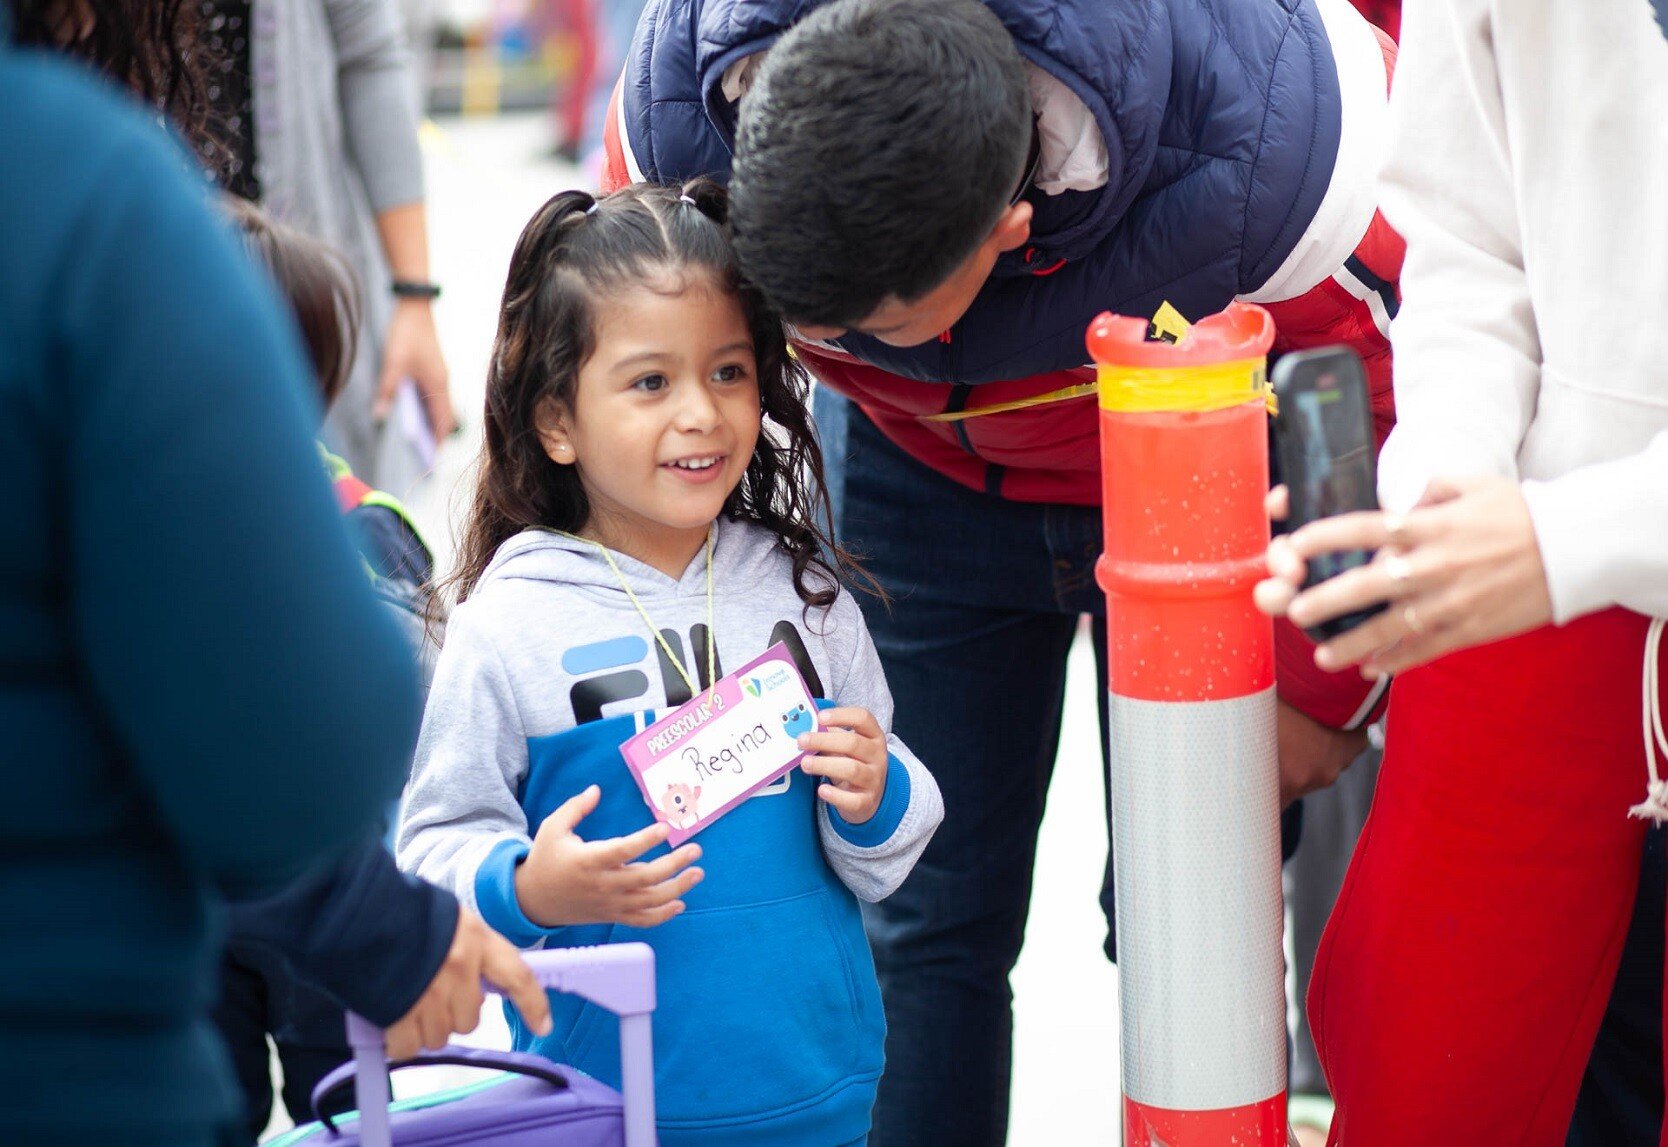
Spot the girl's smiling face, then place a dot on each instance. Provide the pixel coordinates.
(664, 419)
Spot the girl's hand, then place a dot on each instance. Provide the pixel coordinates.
(1462, 569)
(850, 750)
(567, 880)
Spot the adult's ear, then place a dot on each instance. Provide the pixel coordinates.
(1013, 228)
(550, 420)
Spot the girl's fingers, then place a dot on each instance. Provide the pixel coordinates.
(853, 718)
(642, 899)
(840, 770)
(646, 873)
(852, 805)
(832, 743)
(653, 916)
(570, 812)
(623, 849)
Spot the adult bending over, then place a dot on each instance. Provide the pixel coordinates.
(940, 195)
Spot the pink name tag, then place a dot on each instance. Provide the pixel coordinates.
(728, 743)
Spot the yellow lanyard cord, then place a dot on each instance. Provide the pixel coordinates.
(1081, 390)
(1137, 390)
(712, 635)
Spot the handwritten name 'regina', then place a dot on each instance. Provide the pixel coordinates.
(732, 756)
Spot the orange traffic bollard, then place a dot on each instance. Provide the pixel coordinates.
(1195, 785)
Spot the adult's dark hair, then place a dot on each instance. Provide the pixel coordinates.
(317, 283)
(150, 47)
(575, 253)
(878, 145)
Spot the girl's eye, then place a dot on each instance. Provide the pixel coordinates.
(735, 372)
(651, 383)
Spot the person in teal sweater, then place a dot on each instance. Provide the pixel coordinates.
(200, 703)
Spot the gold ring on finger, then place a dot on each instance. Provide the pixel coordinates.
(1399, 570)
(1411, 620)
(1395, 528)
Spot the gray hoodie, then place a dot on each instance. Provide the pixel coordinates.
(547, 668)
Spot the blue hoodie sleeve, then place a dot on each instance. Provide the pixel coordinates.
(223, 621)
(361, 930)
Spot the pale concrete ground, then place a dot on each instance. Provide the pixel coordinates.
(486, 177)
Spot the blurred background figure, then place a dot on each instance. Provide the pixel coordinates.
(309, 109)
(616, 23)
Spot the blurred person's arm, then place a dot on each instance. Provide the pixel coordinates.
(359, 928)
(390, 947)
(380, 116)
(222, 617)
(1467, 352)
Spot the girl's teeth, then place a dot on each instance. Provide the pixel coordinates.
(696, 464)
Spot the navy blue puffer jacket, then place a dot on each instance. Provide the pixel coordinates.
(1222, 122)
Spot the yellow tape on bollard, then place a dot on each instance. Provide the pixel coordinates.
(1145, 390)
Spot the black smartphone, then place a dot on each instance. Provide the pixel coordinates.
(1326, 456)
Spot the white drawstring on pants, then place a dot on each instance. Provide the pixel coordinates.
(1655, 805)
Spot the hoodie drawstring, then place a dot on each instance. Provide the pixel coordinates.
(712, 636)
(1655, 805)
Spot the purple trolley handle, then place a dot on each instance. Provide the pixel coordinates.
(619, 977)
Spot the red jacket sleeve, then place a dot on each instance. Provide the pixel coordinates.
(1338, 700)
(615, 171)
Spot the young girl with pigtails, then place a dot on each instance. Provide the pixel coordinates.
(647, 512)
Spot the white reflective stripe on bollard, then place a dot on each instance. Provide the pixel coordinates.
(1196, 831)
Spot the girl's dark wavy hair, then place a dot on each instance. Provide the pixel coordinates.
(151, 47)
(574, 253)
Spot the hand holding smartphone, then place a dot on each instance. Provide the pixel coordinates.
(1326, 455)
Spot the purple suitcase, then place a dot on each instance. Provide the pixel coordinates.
(538, 1102)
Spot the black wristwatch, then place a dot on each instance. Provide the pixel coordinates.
(411, 289)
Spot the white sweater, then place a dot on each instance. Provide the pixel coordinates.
(1528, 170)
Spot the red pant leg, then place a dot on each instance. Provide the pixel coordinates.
(1467, 964)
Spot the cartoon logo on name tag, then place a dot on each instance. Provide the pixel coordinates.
(798, 720)
(679, 805)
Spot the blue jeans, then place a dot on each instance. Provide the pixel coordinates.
(1621, 1101)
(987, 596)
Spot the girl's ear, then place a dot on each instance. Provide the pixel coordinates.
(551, 422)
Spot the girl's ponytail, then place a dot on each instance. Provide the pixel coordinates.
(708, 198)
(543, 337)
(536, 248)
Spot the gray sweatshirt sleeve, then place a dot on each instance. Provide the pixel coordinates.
(379, 107)
(460, 804)
(872, 859)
